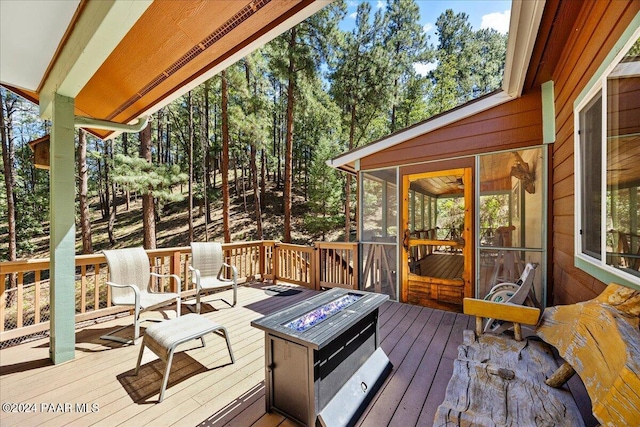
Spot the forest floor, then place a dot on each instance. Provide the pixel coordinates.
(173, 228)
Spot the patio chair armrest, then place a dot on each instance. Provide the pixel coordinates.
(496, 287)
(195, 272)
(174, 276)
(234, 270)
(117, 285)
(135, 289)
(502, 286)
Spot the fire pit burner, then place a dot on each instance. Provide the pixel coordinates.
(323, 362)
(319, 314)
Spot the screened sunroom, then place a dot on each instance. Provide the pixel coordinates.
(445, 215)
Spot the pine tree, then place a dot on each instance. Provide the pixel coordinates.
(225, 158)
(8, 102)
(83, 178)
(360, 86)
(470, 63)
(406, 44)
(297, 55)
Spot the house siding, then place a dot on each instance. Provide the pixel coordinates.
(597, 28)
(514, 124)
(579, 37)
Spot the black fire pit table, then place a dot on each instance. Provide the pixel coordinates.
(323, 362)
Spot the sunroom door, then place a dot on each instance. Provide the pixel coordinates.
(437, 241)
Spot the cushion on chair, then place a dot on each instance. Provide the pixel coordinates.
(128, 266)
(207, 257)
(149, 299)
(213, 283)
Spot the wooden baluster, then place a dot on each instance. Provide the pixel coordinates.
(174, 268)
(3, 299)
(83, 288)
(96, 288)
(262, 261)
(108, 287)
(36, 299)
(19, 301)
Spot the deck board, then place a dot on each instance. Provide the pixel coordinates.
(205, 389)
(442, 265)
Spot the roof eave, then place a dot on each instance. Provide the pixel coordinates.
(523, 31)
(96, 33)
(289, 23)
(347, 160)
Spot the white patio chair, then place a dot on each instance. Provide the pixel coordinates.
(208, 270)
(130, 281)
(520, 292)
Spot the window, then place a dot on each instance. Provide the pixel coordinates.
(511, 216)
(607, 172)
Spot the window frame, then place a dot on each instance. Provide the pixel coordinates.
(598, 86)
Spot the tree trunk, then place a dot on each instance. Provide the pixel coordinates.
(263, 179)
(108, 196)
(9, 181)
(114, 199)
(103, 202)
(216, 158)
(256, 193)
(225, 160)
(275, 127)
(288, 158)
(125, 148)
(236, 180)
(279, 147)
(393, 105)
(85, 222)
(190, 106)
(160, 137)
(148, 204)
(244, 187)
(307, 156)
(347, 202)
(207, 162)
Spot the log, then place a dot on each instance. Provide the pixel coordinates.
(561, 376)
(600, 339)
(499, 381)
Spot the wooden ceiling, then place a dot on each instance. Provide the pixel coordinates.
(495, 175)
(172, 46)
(439, 186)
(173, 43)
(623, 131)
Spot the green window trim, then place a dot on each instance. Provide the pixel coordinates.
(597, 268)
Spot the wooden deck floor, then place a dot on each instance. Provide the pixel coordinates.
(204, 389)
(448, 266)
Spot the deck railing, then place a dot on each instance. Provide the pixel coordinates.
(24, 285)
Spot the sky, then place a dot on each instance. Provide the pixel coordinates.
(482, 14)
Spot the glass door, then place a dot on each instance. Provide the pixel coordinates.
(437, 238)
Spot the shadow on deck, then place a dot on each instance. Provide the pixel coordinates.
(204, 389)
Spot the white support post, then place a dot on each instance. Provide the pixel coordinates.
(62, 235)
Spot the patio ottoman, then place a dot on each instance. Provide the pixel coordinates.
(163, 338)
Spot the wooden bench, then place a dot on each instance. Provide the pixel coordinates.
(599, 339)
(499, 380)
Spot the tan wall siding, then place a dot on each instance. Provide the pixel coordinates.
(598, 27)
(515, 124)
